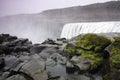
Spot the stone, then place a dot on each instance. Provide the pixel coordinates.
(58, 58)
(21, 49)
(50, 62)
(37, 48)
(35, 69)
(49, 41)
(12, 61)
(16, 77)
(4, 75)
(2, 63)
(82, 63)
(70, 68)
(78, 77)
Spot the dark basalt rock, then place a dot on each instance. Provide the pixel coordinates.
(2, 63)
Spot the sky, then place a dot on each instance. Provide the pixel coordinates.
(12, 7)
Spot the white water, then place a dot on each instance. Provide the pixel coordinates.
(73, 29)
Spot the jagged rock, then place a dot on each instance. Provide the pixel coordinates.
(2, 62)
(35, 69)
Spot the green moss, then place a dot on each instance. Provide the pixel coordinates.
(95, 60)
(115, 52)
(92, 42)
(70, 48)
(106, 76)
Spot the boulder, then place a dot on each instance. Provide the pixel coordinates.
(35, 69)
(82, 63)
(12, 61)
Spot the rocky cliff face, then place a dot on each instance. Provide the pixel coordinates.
(49, 24)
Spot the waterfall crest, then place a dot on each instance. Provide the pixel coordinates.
(73, 29)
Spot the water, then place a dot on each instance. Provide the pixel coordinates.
(73, 29)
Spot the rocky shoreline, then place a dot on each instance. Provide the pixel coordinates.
(22, 60)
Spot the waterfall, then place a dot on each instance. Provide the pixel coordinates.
(73, 29)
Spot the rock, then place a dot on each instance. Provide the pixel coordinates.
(82, 63)
(21, 49)
(58, 58)
(16, 77)
(97, 77)
(50, 62)
(2, 63)
(4, 49)
(48, 51)
(35, 69)
(4, 75)
(78, 77)
(44, 56)
(24, 58)
(11, 61)
(37, 48)
(49, 41)
(61, 39)
(57, 70)
(70, 68)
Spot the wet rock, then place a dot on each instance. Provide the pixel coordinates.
(2, 63)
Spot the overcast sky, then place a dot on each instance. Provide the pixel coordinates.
(11, 7)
